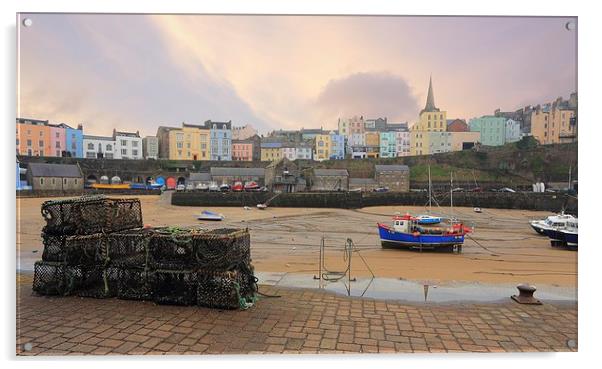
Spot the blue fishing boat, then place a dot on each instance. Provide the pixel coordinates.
(209, 215)
(407, 233)
(427, 219)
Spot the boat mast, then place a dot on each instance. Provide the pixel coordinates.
(570, 167)
(430, 203)
(451, 195)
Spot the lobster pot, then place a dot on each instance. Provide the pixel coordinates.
(128, 248)
(97, 282)
(222, 249)
(135, 284)
(75, 250)
(50, 278)
(175, 287)
(172, 250)
(91, 214)
(224, 290)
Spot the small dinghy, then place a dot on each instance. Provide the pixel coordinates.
(428, 219)
(477, 210)
(262, 206)
(209, 215)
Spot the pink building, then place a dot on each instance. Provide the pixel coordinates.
(57, 141)
(242, 150)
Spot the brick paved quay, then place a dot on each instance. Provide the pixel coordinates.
(301, 321)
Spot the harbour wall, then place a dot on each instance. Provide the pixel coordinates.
(553, 202)
(87, 191)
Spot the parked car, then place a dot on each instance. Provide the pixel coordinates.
(381, 189)
(506, 189)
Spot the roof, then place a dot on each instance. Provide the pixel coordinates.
(202, 176)
(210, 123)
(102, 138)
(54, 170)
(330, 172)
(391, 168)
(222, 171)
(32, 121)
(271, 145)
(127, 134)
(430, 100)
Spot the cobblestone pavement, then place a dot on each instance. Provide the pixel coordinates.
(300, 321)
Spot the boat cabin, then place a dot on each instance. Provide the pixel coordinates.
(403, 223)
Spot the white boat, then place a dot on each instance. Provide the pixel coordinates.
(262, 206)
(213, 187)
(202, 187)
(209, 215)
(551, 222)
(477, 210)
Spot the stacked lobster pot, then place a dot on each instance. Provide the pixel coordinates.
(97, 247)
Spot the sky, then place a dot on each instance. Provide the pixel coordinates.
(138, 72)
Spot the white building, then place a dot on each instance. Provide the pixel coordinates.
(98, 147)
(150, 147)
(127, 145)
(513, 133)
(244, 132)
(402, 143)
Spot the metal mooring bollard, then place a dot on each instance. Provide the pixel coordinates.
(525, 295)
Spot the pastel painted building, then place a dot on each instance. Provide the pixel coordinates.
(439, 142)
(150, 147)
(128, 145)
(99, 147)
(491, 128)
(372, 144)
(221, 140)
(242, 150)
(402, 143)
(512, 131)
(337, 146)
(352, 125)
(33, 136)
(322, 147)
(419, 143)
(192, 143)
(464, 140)
(74, 140)
(388, 144)
(56, 145)
(554, 123)
(271, 151)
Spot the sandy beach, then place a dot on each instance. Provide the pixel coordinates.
(503, 248)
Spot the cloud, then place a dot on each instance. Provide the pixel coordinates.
(374, 94)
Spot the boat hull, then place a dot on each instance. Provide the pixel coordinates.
(389, 238)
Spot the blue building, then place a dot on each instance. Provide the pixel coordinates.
(221, 140)
(337, 146)
(74, 140)
(387, 141)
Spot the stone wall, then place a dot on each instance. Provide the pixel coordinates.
(353, 200)
(87, 191)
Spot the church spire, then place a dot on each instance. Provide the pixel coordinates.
(430, 99)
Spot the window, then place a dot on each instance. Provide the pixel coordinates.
(41, 181)
(75, 181)
(64, 181)
(124, 151)
(53, 182)
(179, 145)
(134, 143)
(41, 143)
(90, 146)
(41, 133)
(57, 135)
(17, 142)
(109, 147)
(57, 145)
(58, 153)
(135, 152)
(124, 143)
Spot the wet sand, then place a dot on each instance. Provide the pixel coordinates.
(288, 239)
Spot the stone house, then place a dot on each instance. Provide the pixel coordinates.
(329, 180)
(395, 177)
(55, 177)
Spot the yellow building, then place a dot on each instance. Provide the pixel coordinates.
(419, 143)
(372, 144)
(191, 142)
(551, 123)
(323, 146)
(431, 119)
(271, 151)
